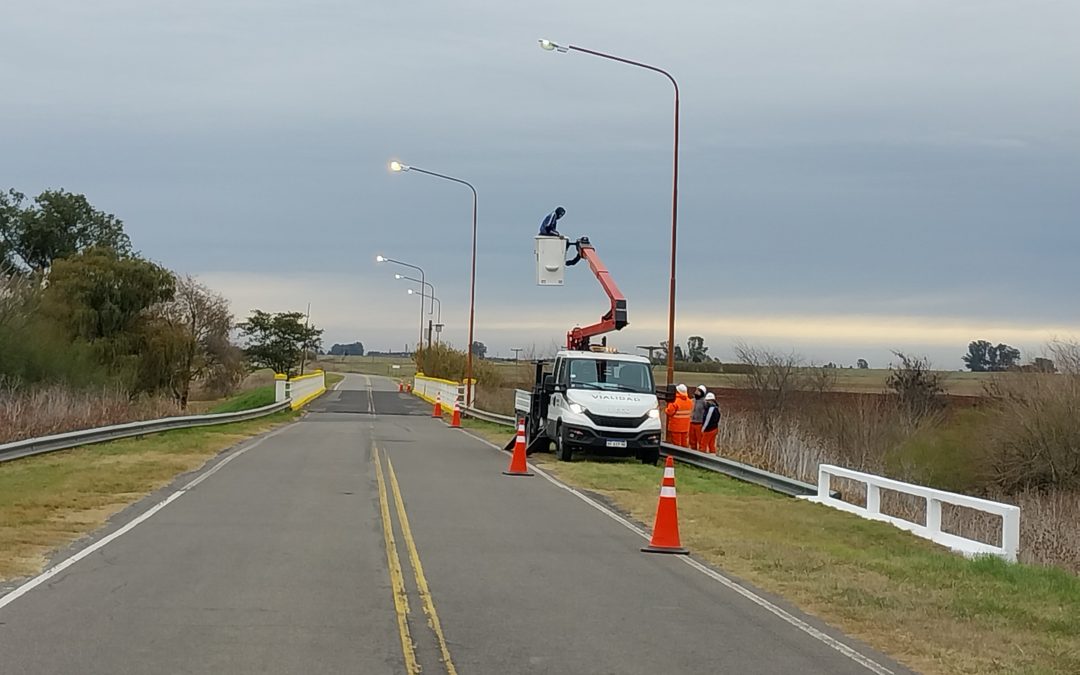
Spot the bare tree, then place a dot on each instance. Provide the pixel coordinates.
(773, 378)
(919, 388)
(201, 320)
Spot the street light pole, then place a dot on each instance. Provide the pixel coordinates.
(398, 167)
(420, 345)
(438, 319)
(551, 46)
(430, 287)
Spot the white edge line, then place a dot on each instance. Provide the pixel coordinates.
(851, 653)
(30, 585)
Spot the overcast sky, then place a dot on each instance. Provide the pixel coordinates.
(856, 176)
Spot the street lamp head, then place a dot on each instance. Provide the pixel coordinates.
(397, 276)
(411, 292)
(550, 46)
(397, 166)
(380, 258)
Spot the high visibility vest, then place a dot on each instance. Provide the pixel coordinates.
(679, 412)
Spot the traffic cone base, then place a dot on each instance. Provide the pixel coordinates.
(665, 534)
(518, 464)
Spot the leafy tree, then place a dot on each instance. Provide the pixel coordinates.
(984, 357)
(351, 349)
(479, 349)
(1044, 365)
(977, 357)
(696, 349)
(1003, 357)
(102, 296)
(279, 341)
(58, 224)
(861, 364)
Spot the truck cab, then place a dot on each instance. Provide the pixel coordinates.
(597, 401)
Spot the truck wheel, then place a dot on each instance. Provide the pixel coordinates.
(650, 456)
(563, 451)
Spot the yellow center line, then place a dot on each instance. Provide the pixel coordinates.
(418, 570)
(397, 580)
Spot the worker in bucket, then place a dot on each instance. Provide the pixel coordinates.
(549, 228)
(710, 424)
(697, 417)
(678, 417)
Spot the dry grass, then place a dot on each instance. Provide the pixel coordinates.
(934, 611)
(47, 502)
(41, 411)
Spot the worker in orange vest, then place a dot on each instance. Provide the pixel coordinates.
(678, 417)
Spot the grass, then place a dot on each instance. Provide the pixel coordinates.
(937, 612)
(333, 378)
(49, 501)
(253, 398)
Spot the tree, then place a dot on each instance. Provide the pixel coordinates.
(679, 355)
(984, 357)
(861, 364)
(102, 296)
(1003, 357)
(351, 349)
(58, 224)
(696, 349)
(977, 358)
(479, 349)
(279, 341)
(196, 325)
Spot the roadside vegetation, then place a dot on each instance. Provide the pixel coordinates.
(94, 333)
(49, 501)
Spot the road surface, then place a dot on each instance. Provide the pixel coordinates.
(371, 538)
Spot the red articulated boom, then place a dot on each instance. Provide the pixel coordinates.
(615, 319)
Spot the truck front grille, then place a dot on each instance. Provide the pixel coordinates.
(616, 422)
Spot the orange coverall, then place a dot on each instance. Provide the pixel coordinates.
(678, 419)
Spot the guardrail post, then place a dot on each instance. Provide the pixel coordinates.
(873, 498)
(823, 483)
(1010, 533)
(933, 515)
(281, 383)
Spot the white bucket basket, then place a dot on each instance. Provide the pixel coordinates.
(550, 260)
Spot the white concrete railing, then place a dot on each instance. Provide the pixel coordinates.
(1010, 515)
(448, 391)
(300, 389)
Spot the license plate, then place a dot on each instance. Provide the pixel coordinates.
(616, 444)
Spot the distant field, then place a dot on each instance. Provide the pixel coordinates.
(869, 381)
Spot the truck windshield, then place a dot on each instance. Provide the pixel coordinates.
(611, 375)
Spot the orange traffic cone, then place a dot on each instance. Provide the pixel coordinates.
(455, 419)
(665, 535)
(438, 406)
(518, 465)
(400, 387)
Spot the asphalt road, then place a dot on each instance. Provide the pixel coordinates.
(371, 538)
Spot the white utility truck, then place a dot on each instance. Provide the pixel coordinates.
(592, 398)
(598, 401)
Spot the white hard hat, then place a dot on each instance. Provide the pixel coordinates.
(681, 388)
(702, 388)
(710, 396)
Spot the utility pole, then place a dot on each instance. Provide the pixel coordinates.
(303, 352)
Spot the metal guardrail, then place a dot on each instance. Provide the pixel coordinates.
(728, 467)
(740, 471)
(485, 416)
(72, 439)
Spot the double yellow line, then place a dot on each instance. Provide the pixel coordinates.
(397, 577)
